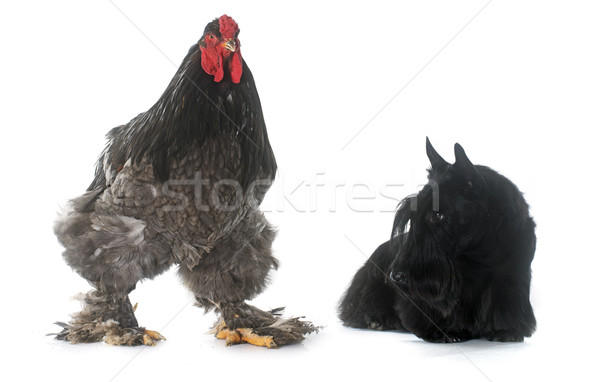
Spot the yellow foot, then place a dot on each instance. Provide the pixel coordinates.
(150, 336)
(233, 337)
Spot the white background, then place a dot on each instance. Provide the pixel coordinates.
(515, 82)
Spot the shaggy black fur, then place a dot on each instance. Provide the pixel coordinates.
(458, 265)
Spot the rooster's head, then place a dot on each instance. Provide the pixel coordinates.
(220, 49)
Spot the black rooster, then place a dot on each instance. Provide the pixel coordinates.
(182, 184)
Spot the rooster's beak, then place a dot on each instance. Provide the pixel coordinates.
(229, 45)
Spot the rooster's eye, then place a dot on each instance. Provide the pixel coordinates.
(212, 36)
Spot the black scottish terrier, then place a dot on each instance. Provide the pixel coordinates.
(458, 265)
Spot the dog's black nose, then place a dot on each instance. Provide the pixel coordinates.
(398, 277)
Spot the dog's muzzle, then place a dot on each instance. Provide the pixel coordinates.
(398, 278)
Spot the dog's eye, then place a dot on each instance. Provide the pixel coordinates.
(437, 217)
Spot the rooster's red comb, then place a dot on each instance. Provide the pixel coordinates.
(228, 27)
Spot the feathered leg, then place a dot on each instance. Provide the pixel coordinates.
(107, 317)
(234, 271)
(112, 252)
(241, 322)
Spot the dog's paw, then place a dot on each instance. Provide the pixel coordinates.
(452, 339)
(446, 338)
(374, 325)
(503, 336)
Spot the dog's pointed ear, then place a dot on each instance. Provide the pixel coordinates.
(462, 161)
(464, 165)
(435, 159)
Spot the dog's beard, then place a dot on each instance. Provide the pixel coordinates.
(425, 257)
(430, 276)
